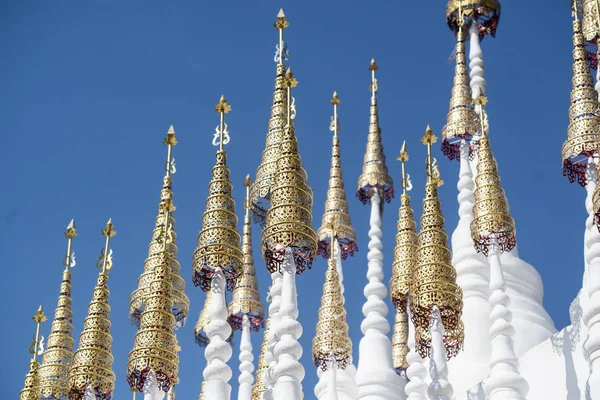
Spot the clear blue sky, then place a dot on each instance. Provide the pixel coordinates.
(90, 88)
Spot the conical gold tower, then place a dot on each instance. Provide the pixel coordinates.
(260, 192)
(462, 122)
(289, 220)
(405, 252)
(374, 172)
(155, 344)
(93, 360)
(331, 341)
(181, 303)
(434, 277)
(582, 134)
(486, 13)
(245, 299)
(400, 341)
(31, 388)
(219, 241)
(336, 206)
(262, 365)
(491, 217)
(58, 357)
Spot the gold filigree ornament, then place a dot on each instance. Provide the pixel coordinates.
(219, 241)
(331, 342)
(58, 357)
(434, 277)
(590, 21)
(405, 252)
(374, 175)
(155, 345)
(486, 13)
(336, 206)
(289, 220)
(262, 365)
(491, 216)
(584, 116)
(462, 121)
(260, 192)
(245, 299)
(181, 302)
(400, 341)
(31, 388)
(93, 360)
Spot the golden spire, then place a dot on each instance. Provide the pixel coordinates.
(486, 13)
(582, 134)
(155, 345)
(405, 252)
(245, 299)
(374, 172)
(181, 303)
(336, 206)
(219, 241)
(462, 120)
(590, 21)
(262, 365)
(92, 363)
(434, 279)
(331, 341)
(289, 220)
(400, 341)
(260, 192)
(31, 389)
(58, 357)
(491, 217)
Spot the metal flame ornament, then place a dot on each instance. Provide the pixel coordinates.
(93, 360)
(58, 357)
(181, 302)
(218, 241)
(336, 207)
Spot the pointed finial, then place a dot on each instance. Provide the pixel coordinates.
(281, 22)
(39, 317)
(221, 136)
(69, 260)
(433, 173)
(373, 87)
(403, 158)
(71, 230)
(105, 260)
(281, 50)
(334, 126)
(290, 82)
(248, 181)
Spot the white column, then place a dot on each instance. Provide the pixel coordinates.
(246, 362)
(151, 390)
(439, 388)
(375, 376)
(288, 373)
(275, 293)
(505, 382)
(217, 373)
(476, 63)
(332, 381)
(416, 388)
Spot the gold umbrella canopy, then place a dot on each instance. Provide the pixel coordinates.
(486, 13)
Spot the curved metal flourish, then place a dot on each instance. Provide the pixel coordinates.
(281, 52)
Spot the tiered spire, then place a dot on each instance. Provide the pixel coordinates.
(331, 343)
(374, 173)
(336, 206)
(405, 261)
(219, 241)
(246, 298)
(155, 345)
(92, 363)
(289, 220)
(181, 303)
(262, 365)
(31, 389)
(486, 13)
(434, 277)
(58, 357)
(462, 121)
(582, 134)
(260, 192)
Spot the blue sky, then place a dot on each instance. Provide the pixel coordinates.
(90, 89)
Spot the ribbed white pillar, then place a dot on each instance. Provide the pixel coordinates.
(332, 382)
(375, 375)
(439, 388)
(246, 378)
(416, 388)
(505, 382)
(476, 63)
(275, 293)
(217, 373)
(288, 373)
(90, 395)
(151, 390)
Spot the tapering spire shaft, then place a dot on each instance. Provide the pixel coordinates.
(31, 389)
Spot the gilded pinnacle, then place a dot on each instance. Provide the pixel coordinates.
(481, 101)
(71, 231)
(109, 231)
(290, 81)
(403, 157)
(373, 66)
(281, 22)
(170, 138)
(39, 317)
(335, 100)
(429, 138)
(222, 106)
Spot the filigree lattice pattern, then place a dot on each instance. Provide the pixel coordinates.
(31, 389)
(486, 14)
(262, 366)
(589, 21)
(400, 341)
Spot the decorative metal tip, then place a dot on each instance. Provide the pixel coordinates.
(281, 22)
(71, 231)
(108, 231)
(171, 130)
(290, 79)
(222, 106)
(39, 317)
(335, 99)
(403, 153)
(248, 181)
(373, 66)
(281, 14)
(429, 138)
(481, 100)
(170, 140)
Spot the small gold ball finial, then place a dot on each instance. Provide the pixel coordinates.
(222, 106)
(429, 138)
(403, 157)
(281, 22)
(335, 100)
